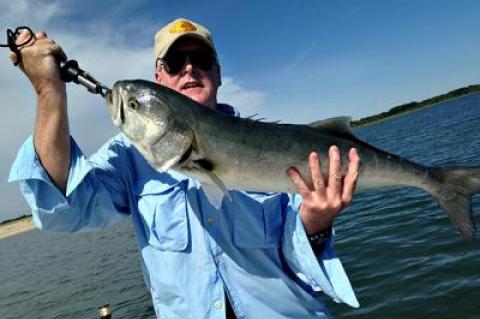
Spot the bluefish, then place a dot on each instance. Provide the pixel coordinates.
(223, 152)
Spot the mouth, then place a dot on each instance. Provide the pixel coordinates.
(191, 85)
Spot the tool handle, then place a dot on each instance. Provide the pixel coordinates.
(71, 72)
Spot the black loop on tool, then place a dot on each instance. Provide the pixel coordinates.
(15, 47)
(69, 70)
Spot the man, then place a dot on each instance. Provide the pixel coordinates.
(264, 255)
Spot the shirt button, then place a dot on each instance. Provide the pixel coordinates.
(218, 305)
(210, 221)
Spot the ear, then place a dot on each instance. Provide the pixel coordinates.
(158, 75)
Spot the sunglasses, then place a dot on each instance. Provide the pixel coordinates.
(175, 61)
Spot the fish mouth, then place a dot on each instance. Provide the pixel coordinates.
(116, 106)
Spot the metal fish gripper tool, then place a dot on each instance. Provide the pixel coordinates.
(69, 70)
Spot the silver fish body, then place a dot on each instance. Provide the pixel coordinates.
(223, 152)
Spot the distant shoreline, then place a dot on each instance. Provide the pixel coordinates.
(416, 106)
(16, 226)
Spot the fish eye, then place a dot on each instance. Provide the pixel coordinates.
(133, 104)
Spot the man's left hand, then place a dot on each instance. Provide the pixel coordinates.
(328, 194)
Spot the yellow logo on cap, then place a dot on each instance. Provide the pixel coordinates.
(181, 26)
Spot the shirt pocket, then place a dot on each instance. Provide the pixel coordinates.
(163, 208)
(258, 220)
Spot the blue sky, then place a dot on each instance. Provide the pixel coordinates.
(295, 61)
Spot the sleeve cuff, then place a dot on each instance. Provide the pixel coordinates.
(323, 272)
(27, 166)
(88, 203)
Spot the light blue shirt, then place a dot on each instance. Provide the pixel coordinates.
(253, 248)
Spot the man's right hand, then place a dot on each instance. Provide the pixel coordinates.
(39, 62)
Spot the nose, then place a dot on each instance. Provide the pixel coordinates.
(188, 65)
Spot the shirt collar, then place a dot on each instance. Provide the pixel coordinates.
(228, 110)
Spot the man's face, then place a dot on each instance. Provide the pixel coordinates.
(191, 80)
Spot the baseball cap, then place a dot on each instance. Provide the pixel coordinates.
(166, 36)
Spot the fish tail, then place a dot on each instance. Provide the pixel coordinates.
(453, 189)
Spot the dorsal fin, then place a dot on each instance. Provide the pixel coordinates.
(338, 125)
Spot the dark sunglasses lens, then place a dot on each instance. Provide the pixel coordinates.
(203, 60)
(176, 60)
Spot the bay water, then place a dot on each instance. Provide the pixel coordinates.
(402, 255)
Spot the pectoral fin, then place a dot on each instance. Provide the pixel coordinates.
(214, 195)
(215, 189)
(168, 164)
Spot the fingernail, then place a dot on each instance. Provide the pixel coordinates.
(334, 151)
(334, 148)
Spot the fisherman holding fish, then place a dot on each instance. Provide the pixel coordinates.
(257, 255)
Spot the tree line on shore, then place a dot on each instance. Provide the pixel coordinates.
(412, 106)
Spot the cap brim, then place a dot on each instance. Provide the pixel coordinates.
(186, 35)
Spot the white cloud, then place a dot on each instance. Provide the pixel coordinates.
(35, 13)
(247, 101)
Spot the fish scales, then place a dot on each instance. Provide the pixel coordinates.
(223, 152)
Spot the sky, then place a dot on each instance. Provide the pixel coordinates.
(294, 61)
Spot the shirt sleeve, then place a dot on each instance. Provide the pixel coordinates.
(95, 194)
(322, 272)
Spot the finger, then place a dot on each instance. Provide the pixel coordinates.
(27, 38)
(58, 52)
(13, 57)
(22, 37)
(318, 180)
(352, 175)
(334, 173)
(297, 179)
(40, 35)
